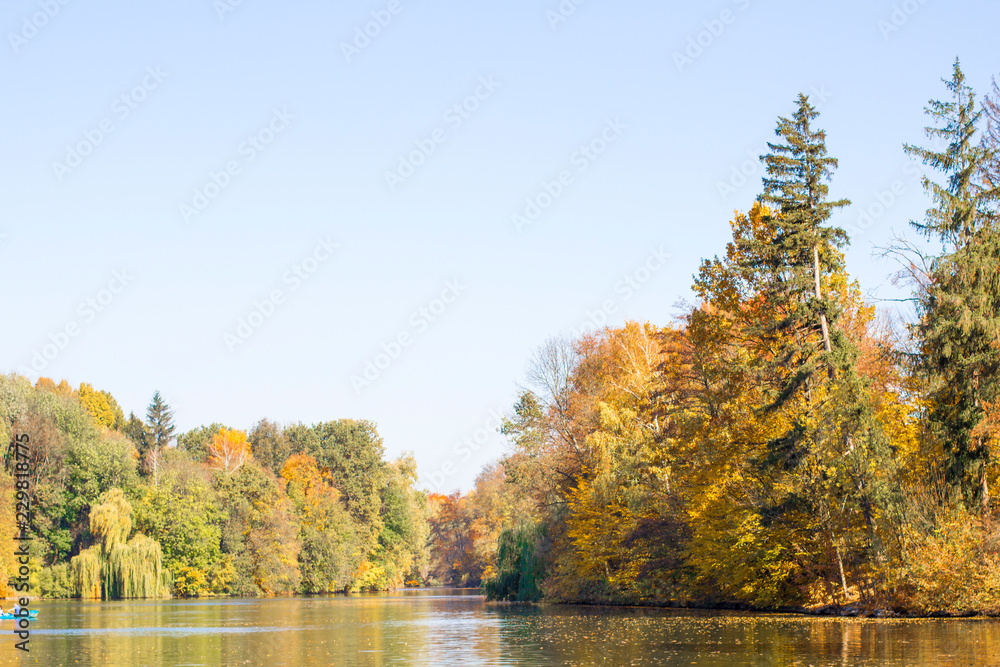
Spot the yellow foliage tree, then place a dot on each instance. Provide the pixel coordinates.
(101, 406)
(229, 450)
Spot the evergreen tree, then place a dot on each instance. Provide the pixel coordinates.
(803, 251)
(160, 419)
(823, 459)
(991, 106)
(959, 326)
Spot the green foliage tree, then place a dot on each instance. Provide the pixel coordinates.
(119, 567)
(97, 465)
(959, 327)
(182, 513)
(352, 453)
(330, 554)
(260, 531)
(270, 445)
(801, 250)
(160, 419)
(196, 441)
(402, 541)
(520, 566)
(138, 433)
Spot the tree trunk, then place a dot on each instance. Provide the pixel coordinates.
(984, 491)
(819, 295)
(840, 566)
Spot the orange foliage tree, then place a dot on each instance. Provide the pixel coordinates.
(229, 450)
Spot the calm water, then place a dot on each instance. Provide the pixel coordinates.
(439, 628)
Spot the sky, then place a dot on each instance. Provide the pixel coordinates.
(309, 211)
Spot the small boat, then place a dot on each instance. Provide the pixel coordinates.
(33, 613)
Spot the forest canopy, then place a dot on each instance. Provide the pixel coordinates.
(123, 509)
(782, 443)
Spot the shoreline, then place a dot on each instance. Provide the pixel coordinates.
(854, 610)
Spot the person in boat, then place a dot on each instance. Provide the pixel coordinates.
(15, 611)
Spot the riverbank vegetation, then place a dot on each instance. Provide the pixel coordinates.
(119, 512)
(782, 443)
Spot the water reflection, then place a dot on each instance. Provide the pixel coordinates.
(441, 628)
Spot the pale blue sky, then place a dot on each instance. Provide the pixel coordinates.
(678, 133)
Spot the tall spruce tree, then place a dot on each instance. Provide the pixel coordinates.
(803, 250)
(991, 106)
(833, 438)
(160, 418)
(959, 325)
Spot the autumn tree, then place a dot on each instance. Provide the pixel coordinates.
(401, 551)
(453, 538)
(183, 514)
(259, 533)
(352, 453)
(330, 552)
(102, 407)
(61, 389)
(196, 441)
(800, 457)
(229, 450)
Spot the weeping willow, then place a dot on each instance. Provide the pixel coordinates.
(85, 570)
(134, 570)
(111, 520)
(119, 569)
(8, 529)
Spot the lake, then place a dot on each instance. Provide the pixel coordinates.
(445, 627)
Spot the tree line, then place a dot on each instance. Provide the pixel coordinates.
(124, 508)
(782, 443)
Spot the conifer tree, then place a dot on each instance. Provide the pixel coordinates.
(959, 326)
(160, 418)
(991, 107)
(803, 251)
(810, 359)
